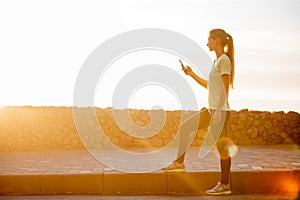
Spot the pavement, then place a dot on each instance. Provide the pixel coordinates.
(255, 169)
(152, 197)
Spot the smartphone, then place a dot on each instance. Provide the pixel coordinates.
(182, 65)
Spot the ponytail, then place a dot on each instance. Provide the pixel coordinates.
(230, 53)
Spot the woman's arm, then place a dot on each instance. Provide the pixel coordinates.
(224, 94)
(225, 78)
(188, 71)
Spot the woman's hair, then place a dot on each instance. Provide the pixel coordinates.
(227, 43)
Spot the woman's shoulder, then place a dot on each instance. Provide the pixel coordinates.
(225, 57)
(224, 64)
(223, 60)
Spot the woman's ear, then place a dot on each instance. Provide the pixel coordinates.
(218, 40)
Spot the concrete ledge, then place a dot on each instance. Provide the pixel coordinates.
(51, 184)
(72, 183)
(264, 181)
(296, 174)
(192, 183)
(20, 184)
(148, 183)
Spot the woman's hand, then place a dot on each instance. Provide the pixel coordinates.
(187, 70)
(217, 117)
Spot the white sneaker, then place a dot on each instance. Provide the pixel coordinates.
(219, 189)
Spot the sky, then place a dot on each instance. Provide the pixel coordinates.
(43, 45)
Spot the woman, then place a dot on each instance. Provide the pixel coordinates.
(220, 78)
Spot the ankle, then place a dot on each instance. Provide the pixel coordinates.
(225, 185)
(177, 163)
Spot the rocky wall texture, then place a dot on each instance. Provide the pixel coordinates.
(53, 128)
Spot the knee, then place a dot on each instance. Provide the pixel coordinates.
(222, 146)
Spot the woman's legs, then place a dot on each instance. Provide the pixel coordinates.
(191, 125)
(225, 159)
(225, 170)
(180, 159)
(222, 144)
(186, 128)
(223, 186)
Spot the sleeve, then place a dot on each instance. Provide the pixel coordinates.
(225, 67)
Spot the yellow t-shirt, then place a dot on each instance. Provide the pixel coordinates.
(222, 65)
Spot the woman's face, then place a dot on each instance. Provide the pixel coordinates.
(211, 43)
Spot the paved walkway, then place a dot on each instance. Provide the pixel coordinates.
(81, 162)
(254, 169)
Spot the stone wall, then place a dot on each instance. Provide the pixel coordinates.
(53, 128)
(264, 128)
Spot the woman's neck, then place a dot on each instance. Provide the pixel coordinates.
(219, 52)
